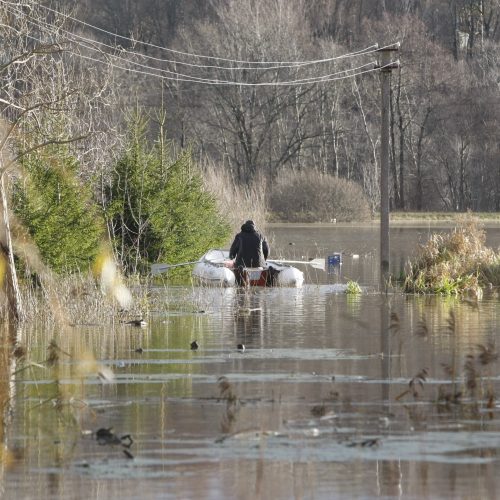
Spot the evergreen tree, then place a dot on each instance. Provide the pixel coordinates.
(158, 208)
(57, 210)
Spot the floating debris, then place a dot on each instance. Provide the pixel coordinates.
(366, 443)
(488, 353)
(136, 322)
(416, 385)
(19, 351)
(105, 435)
(105, 374)
(318, 411)
(53, 353)
(246, 311)
(232, 404)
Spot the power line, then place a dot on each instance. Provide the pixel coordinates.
(194, 78)
(180, 77)
(285, 65)
(185, 77)
(228, 83)
(321, 79)
(365, 51)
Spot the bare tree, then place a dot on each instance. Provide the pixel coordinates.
(43, 100)
(260, 128)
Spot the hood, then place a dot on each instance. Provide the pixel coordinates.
(248, 226)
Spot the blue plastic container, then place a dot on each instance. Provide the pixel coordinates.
(335, 260)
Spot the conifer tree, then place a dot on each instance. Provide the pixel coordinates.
(157, 206)
(57, 210)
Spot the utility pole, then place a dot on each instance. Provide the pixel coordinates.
(386, 66)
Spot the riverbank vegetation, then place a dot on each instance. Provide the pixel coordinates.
(455, 263)
(156, 205)
(446, 217)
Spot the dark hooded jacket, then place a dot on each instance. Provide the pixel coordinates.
(249, 247)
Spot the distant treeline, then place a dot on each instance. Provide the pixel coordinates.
(444, 101)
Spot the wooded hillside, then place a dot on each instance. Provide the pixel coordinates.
(191, 58)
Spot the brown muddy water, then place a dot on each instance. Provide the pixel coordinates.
(334, 396)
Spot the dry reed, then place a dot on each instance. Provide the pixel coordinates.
(455, 263)
(237, 202)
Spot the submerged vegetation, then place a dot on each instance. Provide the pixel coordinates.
(454, 263)
(353, 288)
(469, 385)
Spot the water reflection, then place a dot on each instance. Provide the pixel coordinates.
(320, 404)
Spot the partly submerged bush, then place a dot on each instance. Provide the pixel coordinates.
(353, 288)
(455, 262)
(311, 196)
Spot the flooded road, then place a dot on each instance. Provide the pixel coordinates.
(333, 395)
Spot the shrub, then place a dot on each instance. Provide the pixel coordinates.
(58, 211)
(453, 263)
(353, 288)
(157, 207)
(311, 196)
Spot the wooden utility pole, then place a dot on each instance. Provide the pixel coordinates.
(386, 66)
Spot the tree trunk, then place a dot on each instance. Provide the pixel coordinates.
(12, 298)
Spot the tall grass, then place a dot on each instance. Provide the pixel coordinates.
(454, 263)
(80, 301)
(236, 202)
(293, 196)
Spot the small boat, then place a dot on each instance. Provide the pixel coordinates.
(216, 268)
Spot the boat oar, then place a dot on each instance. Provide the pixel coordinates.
(316, 263)
(161, 268)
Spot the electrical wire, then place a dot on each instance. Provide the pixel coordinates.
(239, 84)
(321, 79)
(180, 77)
(229, 82)
(365, 51)
(285, 65)
(192, 77)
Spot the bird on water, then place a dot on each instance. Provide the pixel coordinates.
(194, 345)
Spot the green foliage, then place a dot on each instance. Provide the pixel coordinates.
(353, 288)
(157, 207)
(57, 210)
(453, 263)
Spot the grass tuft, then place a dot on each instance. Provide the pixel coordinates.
(353, 288)
(455, 263)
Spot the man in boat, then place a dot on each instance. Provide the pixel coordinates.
(249, 249)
